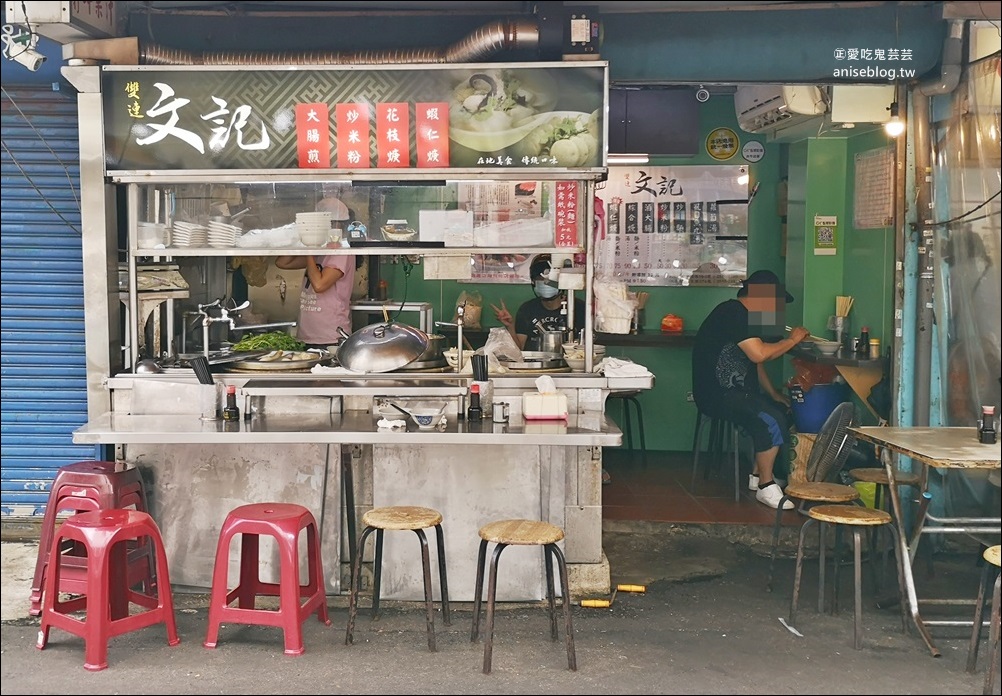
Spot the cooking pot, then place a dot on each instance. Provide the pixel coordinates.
(381, 347)
(551, 341)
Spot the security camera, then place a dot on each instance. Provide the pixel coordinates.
(702, 94)
(29, 58)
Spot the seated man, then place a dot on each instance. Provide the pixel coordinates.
(729, 380)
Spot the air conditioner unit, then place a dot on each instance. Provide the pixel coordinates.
(762, 108)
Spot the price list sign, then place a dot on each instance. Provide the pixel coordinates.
(685, 225)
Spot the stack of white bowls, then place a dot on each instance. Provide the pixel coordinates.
(189, 234)
(223, 235)
(314, 228)
(574, 355)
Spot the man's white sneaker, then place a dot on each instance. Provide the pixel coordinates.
(771, 495)
(752, 482)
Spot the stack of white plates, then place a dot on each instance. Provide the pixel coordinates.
(222, 235)
(188, 234)
(314, 228)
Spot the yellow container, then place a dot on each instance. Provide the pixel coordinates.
(867, 492)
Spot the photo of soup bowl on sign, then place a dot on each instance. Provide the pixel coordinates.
(493, 109)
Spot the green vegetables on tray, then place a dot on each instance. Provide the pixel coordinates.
(273, 340)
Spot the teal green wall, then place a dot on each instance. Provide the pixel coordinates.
(869, 269)
(822, 182)
(666, 402)
(825, 195)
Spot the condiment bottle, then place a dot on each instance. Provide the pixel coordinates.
(382, 290)
(231, 412)
(986, 433)
(864, 342)
(874, 349)
(474, 412)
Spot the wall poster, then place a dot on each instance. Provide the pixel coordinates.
(681, 226)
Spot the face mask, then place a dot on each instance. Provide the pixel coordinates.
(545, 291)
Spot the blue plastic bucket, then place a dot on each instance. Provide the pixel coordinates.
(812, 408)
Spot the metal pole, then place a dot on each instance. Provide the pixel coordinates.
(925, 276)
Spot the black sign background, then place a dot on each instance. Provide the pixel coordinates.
(273, 93)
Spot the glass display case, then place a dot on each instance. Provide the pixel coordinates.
(197, 227)
(308, 217)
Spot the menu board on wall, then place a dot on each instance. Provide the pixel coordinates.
(684, 225)
(426, 117)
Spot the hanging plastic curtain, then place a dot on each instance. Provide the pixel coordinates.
(966, 190)
(966, 177)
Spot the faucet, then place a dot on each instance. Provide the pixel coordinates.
(460, 310)
(224, 317)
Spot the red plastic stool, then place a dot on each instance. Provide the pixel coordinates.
(284, 522)
(82, 487)
(104, 536)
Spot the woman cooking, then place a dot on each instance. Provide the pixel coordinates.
(325, 297)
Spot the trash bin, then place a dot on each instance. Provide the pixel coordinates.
(812, 407)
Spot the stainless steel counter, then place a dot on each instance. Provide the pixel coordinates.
(352, 427)
(313, 438)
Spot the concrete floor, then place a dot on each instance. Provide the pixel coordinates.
(706, 624)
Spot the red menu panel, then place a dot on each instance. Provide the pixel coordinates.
(313, 136)
(353, 126)
(566, 193)
(432, 126)
(393, 135)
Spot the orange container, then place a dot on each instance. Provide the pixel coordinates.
(672, 323)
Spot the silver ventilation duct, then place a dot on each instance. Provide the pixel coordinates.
(483, 42)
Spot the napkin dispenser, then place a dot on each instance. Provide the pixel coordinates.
(537, 406)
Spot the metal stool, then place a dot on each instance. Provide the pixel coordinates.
(400, 517)
(720, 431)
(522, 533)
(284, 522)
(855, 517)
(83, 487)
(630, 398)
(106, 595)
(992, 560)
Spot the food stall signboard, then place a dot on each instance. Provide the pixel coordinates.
(427, 117)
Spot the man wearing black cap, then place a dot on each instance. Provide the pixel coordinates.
(729, 380)
(544, 309)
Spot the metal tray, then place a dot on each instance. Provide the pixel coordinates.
(220, 357)
(535, 360)
(256, 365)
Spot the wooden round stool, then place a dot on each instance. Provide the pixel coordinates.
(400, 518)
(857, 518)
(504, 533)
(296, 601)
(993, 559)
(807, 493)
(105, 598)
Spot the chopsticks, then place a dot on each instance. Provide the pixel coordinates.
(843, 303)
(811, 336)
(200, 364)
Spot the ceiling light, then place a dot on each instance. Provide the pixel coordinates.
(895, 126)
(614, 159)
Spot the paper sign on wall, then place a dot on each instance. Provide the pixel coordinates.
(825, 235)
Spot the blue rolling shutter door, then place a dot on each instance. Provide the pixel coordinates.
(44, 395)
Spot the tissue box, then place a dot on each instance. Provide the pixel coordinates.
(550, 427)
(536, 406)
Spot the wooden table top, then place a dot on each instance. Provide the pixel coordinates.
(942, 447)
